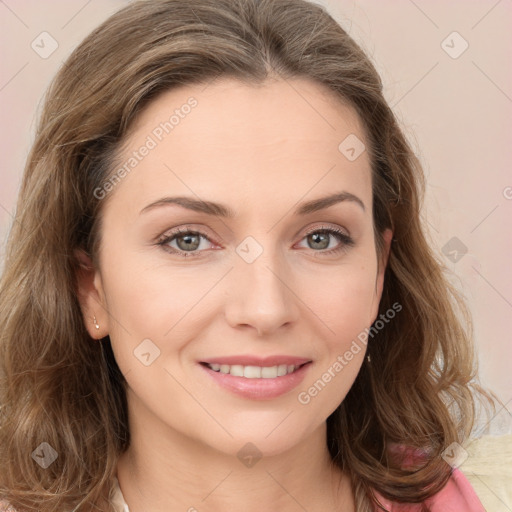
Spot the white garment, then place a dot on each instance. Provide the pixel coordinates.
(117, 498)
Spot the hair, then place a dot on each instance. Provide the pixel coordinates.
(59, 387)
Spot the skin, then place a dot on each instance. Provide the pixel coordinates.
(261, 151)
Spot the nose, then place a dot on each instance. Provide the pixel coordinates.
(260, 295)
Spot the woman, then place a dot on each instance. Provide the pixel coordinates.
(217, 292)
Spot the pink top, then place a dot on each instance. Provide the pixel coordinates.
(456, 496)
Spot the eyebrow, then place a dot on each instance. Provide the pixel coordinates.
(217, 209)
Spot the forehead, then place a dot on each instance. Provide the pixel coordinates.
(281, 137)
(259, 113)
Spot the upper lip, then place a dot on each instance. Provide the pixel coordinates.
(248, 360)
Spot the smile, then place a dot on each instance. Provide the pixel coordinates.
(254, 372)
(254, 382)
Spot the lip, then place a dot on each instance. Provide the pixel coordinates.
(248, 360)
(258, 389)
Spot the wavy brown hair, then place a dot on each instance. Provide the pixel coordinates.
(58, 386)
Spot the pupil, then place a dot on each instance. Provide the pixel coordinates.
(316, 237)
(188, 239)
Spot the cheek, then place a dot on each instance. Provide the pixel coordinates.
(150, 299)
(167, 303)
(343, 299)
(143, 303)
(344, 315)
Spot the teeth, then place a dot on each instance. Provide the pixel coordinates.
(269, 372)
(282, 369)
(237, 370)
(254, 372)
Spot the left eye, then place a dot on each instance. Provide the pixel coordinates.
(319, 238)
(188, 242)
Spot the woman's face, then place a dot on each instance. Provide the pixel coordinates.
(267, 286)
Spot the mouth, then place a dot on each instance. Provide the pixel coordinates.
(255, 372)
(257, 378)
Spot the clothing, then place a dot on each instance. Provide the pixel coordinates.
(117, 498)
(456, 496)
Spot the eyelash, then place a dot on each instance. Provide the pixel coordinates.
(346, 240)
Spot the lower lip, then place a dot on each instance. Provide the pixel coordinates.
(258, 389)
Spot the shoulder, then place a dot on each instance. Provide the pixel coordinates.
(455, 496)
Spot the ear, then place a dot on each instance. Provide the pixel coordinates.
(387, 237)
(91, 297)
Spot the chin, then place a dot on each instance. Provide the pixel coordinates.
(266, 436)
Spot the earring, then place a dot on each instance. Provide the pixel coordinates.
(96, 323)
(368, 358)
